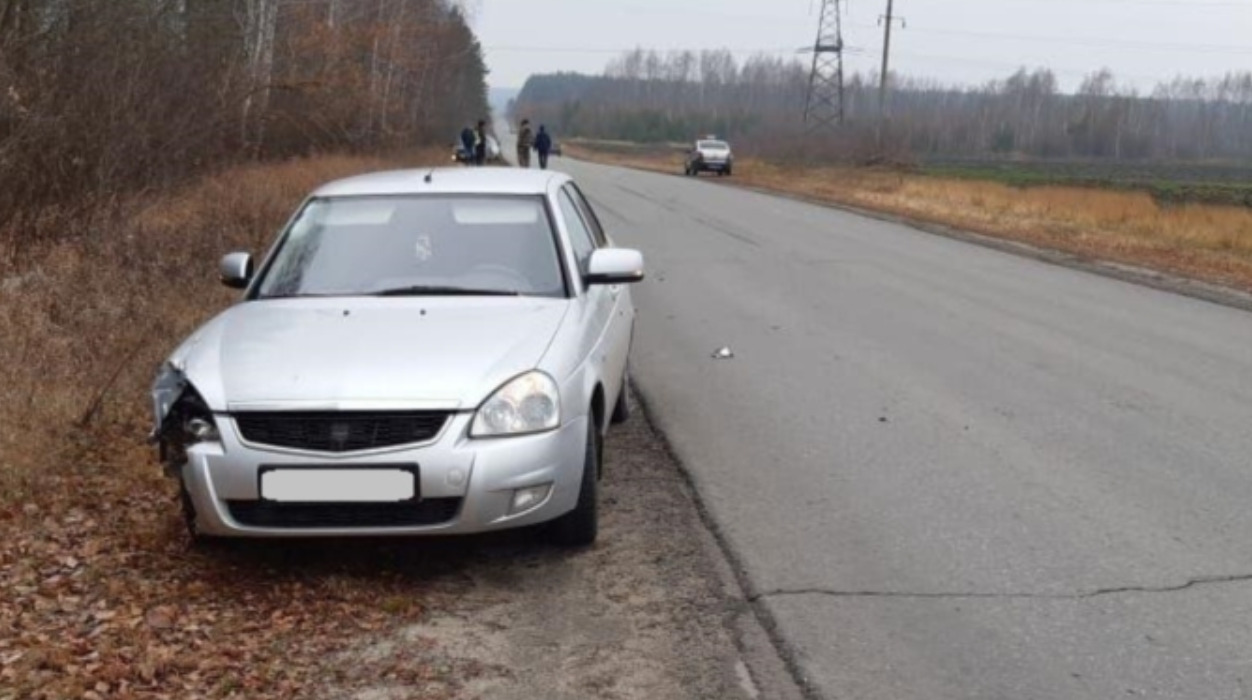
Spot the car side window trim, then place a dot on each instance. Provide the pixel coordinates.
(576, 228)
(589, 215)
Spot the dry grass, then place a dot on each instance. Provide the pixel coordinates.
(115, 298)
(101, 596)
(1205, 242)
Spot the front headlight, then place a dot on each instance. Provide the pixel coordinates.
(530, 403)
(189, 421)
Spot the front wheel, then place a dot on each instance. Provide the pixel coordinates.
(197, 539)
(621, 410)
(579, 527)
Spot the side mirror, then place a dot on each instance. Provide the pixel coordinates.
(236, 270)
(614, 266)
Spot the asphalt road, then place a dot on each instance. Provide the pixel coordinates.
(947, 471)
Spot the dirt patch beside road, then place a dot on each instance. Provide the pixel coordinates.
(650, 613)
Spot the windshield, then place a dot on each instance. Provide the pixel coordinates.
(713, 146)
(422, 244)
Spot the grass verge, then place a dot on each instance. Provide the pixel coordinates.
(1206, 242)
(101, 595)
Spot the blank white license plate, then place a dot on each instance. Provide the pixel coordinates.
(338, 485)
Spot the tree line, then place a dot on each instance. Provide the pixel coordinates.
(99, 96)
(648, 96)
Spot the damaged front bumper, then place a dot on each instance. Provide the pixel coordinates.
(464, 485)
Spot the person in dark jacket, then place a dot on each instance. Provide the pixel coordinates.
(480, 146)
(525, 141)
(543, 144)
(467, 141)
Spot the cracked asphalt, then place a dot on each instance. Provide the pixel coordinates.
(942, 470)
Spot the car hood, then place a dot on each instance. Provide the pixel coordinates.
(363, 354)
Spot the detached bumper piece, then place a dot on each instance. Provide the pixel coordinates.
(431, 511)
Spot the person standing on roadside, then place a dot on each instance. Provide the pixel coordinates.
(543, 144)
(525, 141)
(480, 144)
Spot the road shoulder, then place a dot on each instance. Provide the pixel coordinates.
(654, 610)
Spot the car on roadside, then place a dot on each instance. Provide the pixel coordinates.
(709, 155)
(422, 352)
(495, 155)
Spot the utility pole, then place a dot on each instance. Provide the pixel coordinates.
(887, 21)
(824, 106)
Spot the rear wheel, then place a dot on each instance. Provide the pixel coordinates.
(579, 527)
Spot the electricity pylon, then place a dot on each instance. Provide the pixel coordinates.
(824, 106)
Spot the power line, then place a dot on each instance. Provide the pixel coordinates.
(1145, 3)
(624, 50)
(1006, 65)
(1080, 41)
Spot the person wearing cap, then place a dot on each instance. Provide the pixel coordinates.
(525, 141)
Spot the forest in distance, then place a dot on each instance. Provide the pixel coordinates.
(647, 96)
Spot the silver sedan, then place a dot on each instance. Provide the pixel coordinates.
(421, 352)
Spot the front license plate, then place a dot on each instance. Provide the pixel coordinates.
(338, 485)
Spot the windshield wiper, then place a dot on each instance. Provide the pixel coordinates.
(268, 297)
(433, 291)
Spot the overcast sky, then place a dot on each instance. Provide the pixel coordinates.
(1142, 41)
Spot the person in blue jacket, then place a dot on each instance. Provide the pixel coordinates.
(543, 144)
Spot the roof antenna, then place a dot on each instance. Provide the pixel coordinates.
(430, 177)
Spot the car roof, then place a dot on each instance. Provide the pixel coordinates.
(488, 180)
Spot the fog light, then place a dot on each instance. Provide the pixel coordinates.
(528, 498)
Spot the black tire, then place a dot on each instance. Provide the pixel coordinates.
(621, 409)
(579, 527)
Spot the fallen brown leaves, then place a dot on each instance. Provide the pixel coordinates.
(100, 594)
(104, 598)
